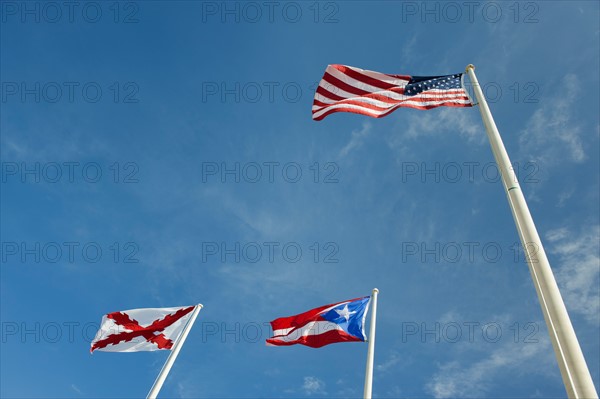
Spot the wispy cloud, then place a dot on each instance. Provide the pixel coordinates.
(356, 140)
(441, 121)
(76, 389)
(344, 389)
(579, 271)
(481, 365)
(409, 47)
(393, 359)
(551, 135)
(457, 120)
(564, 196)
(313, 386)
(46, 142)
(455, 379)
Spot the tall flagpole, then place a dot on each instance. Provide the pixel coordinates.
(371, 350)
(162, 376)
(573, 368)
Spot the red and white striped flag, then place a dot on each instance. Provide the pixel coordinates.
(141, 329)
(338, 322)
(348, 89)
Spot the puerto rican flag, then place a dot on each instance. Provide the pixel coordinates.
(136, 330)
(329, 324)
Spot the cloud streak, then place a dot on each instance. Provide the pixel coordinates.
(454, 379)
(551, 134)
(313, 386)
(578, 275)
(356, 140)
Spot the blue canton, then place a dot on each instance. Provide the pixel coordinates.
(419, 84)
(354, 324)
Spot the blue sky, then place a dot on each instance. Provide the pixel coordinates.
(129, 115)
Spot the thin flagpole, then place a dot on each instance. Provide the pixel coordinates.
(371, 349)
(573, 368)
(162, 376)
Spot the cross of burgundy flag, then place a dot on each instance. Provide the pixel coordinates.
(338, 322)
(347, 89)
(141, 329)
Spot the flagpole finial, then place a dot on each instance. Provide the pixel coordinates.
(470, 66)
(375, 290)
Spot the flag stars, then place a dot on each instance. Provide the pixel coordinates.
(345, 312)
(439, 83)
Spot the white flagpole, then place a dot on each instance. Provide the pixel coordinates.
(573, 368)
(162, 376)
(371, 349)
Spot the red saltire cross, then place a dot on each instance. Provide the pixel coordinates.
(152, 333)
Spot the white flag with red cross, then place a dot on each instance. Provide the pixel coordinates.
(141, 329)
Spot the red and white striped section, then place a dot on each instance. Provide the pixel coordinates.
(309, 329)
(347, 89)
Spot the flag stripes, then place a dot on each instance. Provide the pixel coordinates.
(338, 322)
(348, 89)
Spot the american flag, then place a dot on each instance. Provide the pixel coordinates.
(348, 89)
